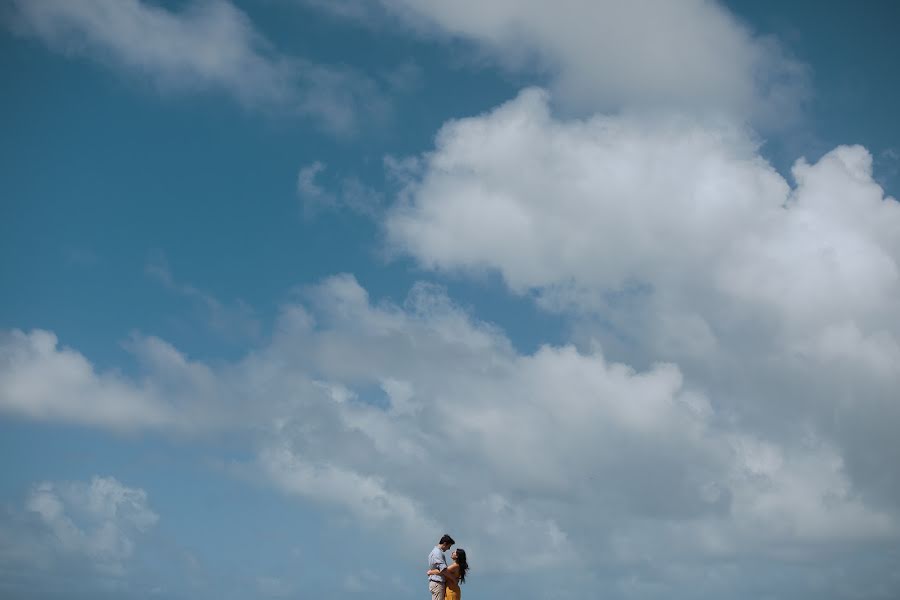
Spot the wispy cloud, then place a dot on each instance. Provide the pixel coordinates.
(350, 193)
(208, 45)
(235, 321)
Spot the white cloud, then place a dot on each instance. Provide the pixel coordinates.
(599, 201)
(558, 451)
(615, 203)
(801, 497)
(692, 55)
(672, 239)
(729, 392)
(366, 497)
(39, 380)
(208, 45)
(307, 186)
(417, 418)
(99, 521)
(614, 213)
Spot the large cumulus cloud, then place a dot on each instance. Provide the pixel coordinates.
(417, 417)
(675, 240)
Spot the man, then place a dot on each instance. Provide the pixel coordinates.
(437, 560)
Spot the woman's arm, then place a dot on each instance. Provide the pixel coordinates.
(452, 572)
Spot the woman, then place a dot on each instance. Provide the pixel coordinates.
(454, 574)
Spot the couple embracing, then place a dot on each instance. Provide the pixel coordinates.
(443, 580)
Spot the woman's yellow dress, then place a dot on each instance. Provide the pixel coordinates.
(452, 592)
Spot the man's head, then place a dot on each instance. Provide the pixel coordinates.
(445, 543)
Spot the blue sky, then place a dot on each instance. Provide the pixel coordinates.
(605, 290)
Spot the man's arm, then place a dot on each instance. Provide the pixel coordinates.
(452, 572)
(437, 562)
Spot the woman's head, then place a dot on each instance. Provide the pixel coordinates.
(459, 555)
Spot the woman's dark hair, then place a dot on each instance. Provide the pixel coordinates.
(463, 564)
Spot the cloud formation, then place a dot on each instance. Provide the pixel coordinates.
(614, 200)
(209, 45)
(71, 526)
(40, 380)
(727, 399)
(232, 321)
(382, 412)
(352, 194)
(674, 240)
(603, 55)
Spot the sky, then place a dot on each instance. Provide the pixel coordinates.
(605, 290)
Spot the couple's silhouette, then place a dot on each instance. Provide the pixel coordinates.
(444, 580)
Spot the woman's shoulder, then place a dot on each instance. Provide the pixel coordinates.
(453, 568)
